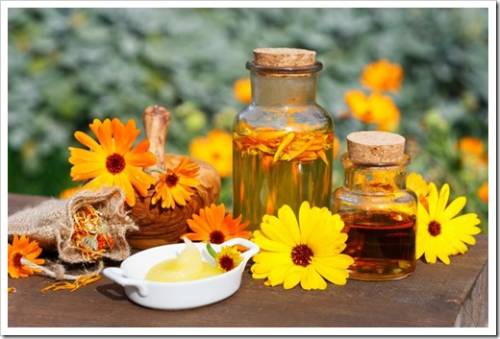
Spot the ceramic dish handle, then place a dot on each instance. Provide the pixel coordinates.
(116, 274)
(252, 248)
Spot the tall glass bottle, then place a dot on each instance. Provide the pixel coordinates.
(379, 214)
(283, 141)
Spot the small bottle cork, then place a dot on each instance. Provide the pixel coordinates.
(284, 57)
(375, 148)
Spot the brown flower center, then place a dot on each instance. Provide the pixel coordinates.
(302, 255)
(115, 163)
(171, 179)
(434, 228)
(17, 259)
(227, 263)
(217, 237)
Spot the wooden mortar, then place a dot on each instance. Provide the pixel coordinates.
(157, 225)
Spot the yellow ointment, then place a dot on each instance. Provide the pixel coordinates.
(187, 266)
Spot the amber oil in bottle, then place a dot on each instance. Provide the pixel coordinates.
(379, 214)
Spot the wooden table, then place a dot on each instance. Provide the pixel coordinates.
(436, 295)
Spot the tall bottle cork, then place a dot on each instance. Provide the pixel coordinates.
(375, 148)
(284, 57)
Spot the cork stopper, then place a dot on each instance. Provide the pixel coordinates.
(375, 148)
(284, 57)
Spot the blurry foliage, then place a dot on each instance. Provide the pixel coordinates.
(67, 66)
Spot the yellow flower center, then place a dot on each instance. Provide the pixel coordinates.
(115, 163)
(226, 262)
(216, 237)
(302, 255)
(434, 228)
(171, 179)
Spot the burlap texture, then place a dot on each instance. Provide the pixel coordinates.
(51, 223)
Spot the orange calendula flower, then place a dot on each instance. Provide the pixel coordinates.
(482, 192)
(177, 184)
(243, 90)
(471, 146)
(216, 149)
(112, 161)
(23, 256)
(375, 109)
(383, 76)
(214, 225)
(336, 147)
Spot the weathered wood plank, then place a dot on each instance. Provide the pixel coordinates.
(436, 295)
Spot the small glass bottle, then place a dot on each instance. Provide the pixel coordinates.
(283, 141)
(378, 212)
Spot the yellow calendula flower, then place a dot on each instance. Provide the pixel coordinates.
(383, 76)
(440, 232)
(306, 250)
(228, 258)
(242, 90)
(416, 183)
(216, 149)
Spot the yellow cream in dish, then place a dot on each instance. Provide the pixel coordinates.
(187, 266)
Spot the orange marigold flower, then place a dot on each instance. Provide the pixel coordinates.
(212, 224)
(336, 147)
(482, 192)
(242, 90)
(176, 185)
(473, 152)
(216, 149)
(113, 161)
(471, 146)
(375, 109)
(385, 112)
(358, 104)
(382, 75)
(23, 255)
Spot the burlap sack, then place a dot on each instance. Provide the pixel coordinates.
(52, 224)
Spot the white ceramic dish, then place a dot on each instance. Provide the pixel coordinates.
(177, 295)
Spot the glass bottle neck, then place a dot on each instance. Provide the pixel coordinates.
(280, 90)
(375, 179)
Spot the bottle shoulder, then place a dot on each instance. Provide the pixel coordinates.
(310, 116)
(348, 199)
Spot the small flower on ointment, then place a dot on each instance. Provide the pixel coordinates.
(213, 224)
(228, 258)
(306, 250)
(23, 257)
(440, 232)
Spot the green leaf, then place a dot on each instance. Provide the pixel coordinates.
(211, 251)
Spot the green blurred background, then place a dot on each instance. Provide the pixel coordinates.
(67, 66)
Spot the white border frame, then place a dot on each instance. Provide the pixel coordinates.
(492, 212)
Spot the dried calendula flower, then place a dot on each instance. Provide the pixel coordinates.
(91, 233)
